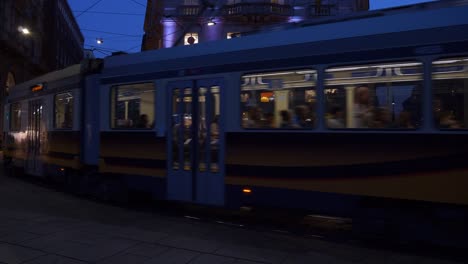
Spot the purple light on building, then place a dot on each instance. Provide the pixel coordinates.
(213, 32)
(170, 29)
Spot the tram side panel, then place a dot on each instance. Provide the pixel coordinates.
(15, 136)
(64, 134)
(130, 151)
(338, 173)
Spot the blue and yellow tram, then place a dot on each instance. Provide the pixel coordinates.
(334, 117)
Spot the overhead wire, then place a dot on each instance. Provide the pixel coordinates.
(138, 3)
(87, 9)
(111, 13)
(111, 33)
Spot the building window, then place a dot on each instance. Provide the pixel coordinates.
(279, 100)
(379, 96)
(191, 2)
(191, 38)
(132, 106)
(450, 93)
(64, 111)
(279, 2)
(15, 119)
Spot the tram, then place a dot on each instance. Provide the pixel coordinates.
(347, 116)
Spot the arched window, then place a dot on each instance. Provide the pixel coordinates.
(10, 82)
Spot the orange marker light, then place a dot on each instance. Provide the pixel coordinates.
(245, 190)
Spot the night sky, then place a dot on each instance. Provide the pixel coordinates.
(121, 27)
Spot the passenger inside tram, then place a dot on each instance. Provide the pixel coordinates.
(363, 112)
(335, 117)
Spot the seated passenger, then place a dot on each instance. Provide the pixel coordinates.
(382, 118)
(302, 117)
(362, 108)
(413, 105)
(405, 120)
(335, 119)
(255, 117)
(285, 119)
(143, 122)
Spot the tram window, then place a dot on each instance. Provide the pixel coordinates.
(64, 111)
(15, 112)
(450, 93)
(379, 96)
(279, 100)
(132, 106)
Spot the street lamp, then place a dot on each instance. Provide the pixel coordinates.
(24, 30)
(99, 41)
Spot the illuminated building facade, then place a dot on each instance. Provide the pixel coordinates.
(36, 37)
(171, 23)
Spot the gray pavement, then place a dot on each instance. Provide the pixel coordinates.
(40, 225)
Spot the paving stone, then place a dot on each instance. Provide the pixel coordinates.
(53, 259)
(127, 233)
(17, 236)
(315, 258)
(124, 258)
(90, 251)
(191, 243)
(20, 215)
(12, 254)
(174, 256)
(43, 242)
(147, 250)
(240, 261)
(253, 254)
(212, 259)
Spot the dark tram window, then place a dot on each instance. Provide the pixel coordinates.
(379, 96)
(450, 93)
(279, 100)
(132, 106)
(64, 111)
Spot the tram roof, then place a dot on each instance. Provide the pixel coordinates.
(51, 77)
(408, 18)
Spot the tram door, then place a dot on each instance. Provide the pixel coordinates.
(33, 161)
(196, 142)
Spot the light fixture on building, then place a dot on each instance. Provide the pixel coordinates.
(99, 41)
(211, 22)
(24, 30)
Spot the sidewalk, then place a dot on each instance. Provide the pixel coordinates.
(40, 225)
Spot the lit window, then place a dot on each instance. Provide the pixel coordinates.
(279, 2)
(450, 93)
(284, 100)
(133, 106)
(64, 111)
(191, 38)
(378, 96)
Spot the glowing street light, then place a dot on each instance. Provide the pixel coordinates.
(99, 41)
(24, 30)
